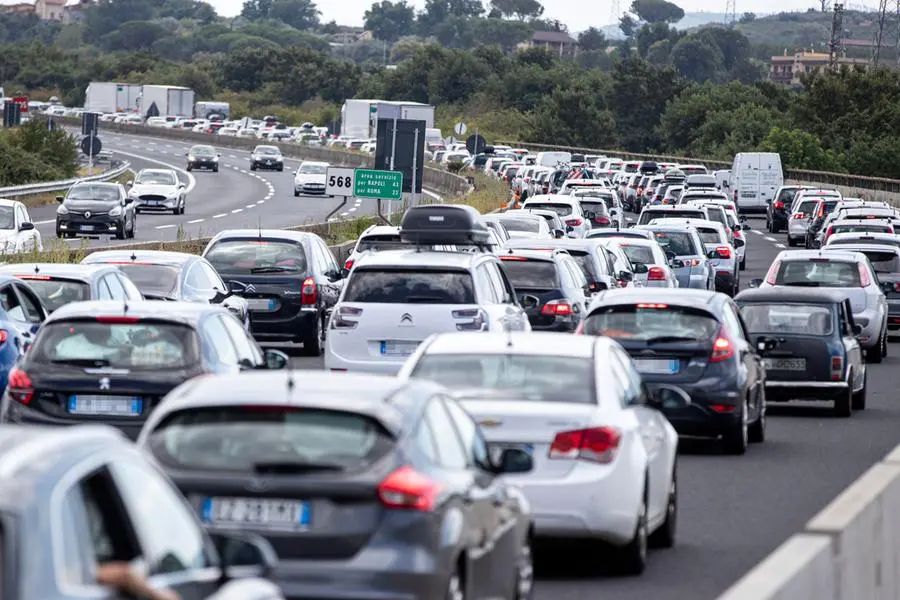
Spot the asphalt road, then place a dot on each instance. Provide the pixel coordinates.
(736, 510)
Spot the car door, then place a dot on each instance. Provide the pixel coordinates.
(580, 290)
(328, 275)
(23, 308)
(752, 365)
(503, 289)
(116, 291)
(851, 343)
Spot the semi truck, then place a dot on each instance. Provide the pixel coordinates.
(167, 101)
(359, 117)
(112, 97)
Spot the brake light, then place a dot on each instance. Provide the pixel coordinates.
(773, 272)
(897, 286)
(864, 279)
(601, 220)
(692, 262)
(34, 277)
(778, 205)
(19, 386)
(597, 444)
(656, 274)
(557, 308)
(112, 320)
(575, 222)
(837, 368)
(723, 252)
(735, 196)
(509, 257)
(798, 216)
(343, 317)
(408, 489)
(309, 293)
(829, 231)
(349, 264)
(723, 349)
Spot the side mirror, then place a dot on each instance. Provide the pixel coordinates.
(345, 273)
(569, 229)
(755, 283)
(630, 225)
(590, 215)
(26, 226)
(244, 555)
(670, 256)
(857, 329)
(739, 243)
(558, 233)
(677, 264)
(712, 255)
(663, 396)
(746, 227)
(275, 359)
(236, 287)
(626, 276)
(742, 218)
(129, 183)
(514, 460)
(219, 154)
(60, 198)
(887, 287)
(641, 269)
(764, 345)
(129, 200)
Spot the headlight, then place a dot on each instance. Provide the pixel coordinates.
(278, 159)
(62, 210)
(215, 159)
(192, 157)
(115, 211)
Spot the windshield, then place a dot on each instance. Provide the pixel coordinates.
(882, 261)
(268, 150)
(531, 273)
(818, 273)
(709, 236)
(59, 292)
(402, 286)
(156, 178)
(153, 281)
(143, 345)
(678, 243)
(379, 242)
(307, 169)
(237, 438)
(649, 215)
(103, 193)
(562, 210)
(641, 322)
(787, 195)
(797, 319)
(526, 225)
(511, 377)
(7, 217)
(204, 150)
(246, 257)
(862, 227)
(638, 254)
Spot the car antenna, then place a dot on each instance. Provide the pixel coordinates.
(133, 256)
(37, 269)
(259, 227)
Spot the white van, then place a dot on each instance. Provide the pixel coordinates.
(722, 176)
(552, 159)
(755, 177)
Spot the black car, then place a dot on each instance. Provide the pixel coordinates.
(810, 339)
(290, 279)
(203, 157)
(596, 261)
(778, 210)
(551, 288)
(173, 276)
(113, 362)
(366, 486)
(697, 340)
(266, 157)
(825, 207)
(96, 208)
(80, 499)
(58, 284)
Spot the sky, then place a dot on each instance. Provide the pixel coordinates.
(570, 12)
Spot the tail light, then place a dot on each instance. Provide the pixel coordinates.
(735, 196)
(474, 319)
(837, 368)
(113, 320)
(656, 274)
(897, 286)
(864, 279)
(349, 264)
(640, 191)
(829, 231)
(692, 262)
(773, 272)
(723, 349)
(778, 205)
(597, 444)
(575, 222)
(408, 489)
(601, 220)
(309, 293)
(723, 252)
(19, 386)
(557, 308)
(798, 216)
(739, 234)
(344, 317)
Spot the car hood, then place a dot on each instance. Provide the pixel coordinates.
(168, 190)
(267, 156)
(96, 206)
(310, 178)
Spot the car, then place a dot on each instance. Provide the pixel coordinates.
(720, 252)
(596, 261)
(554, 221)
(345, 470)
(551, 287)
(850, 213)
(309, 179)
(394, 299)
(660, 269)
(871, 224)
(824, 208)
(21, 317)
(601, 209)
(678, 211)
(201, 156)
(625, 272)
(684, 242)
(694, 339)
(94, 209)
(803, 193)
(158, 190)
(851, 274)
(289, 279)
(111, 362)
(58, 284)
(738, 225)
(880, 239)
(374, 239)
(798, 221)
(266, 157)
(813, 351)
(173, 276)
(87, 488)
(579, 407)
(17, 231)
(640, 234)
(700, 182)
(779, 210)
(522, 224)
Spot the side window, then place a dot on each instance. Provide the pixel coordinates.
(115, 288)
(131, 291)
(246, 349)
(630, 390)
(212, 277)
(501, 283)
(330, 262)
(10, 303)
(473, 442)
(577, 274)
(487, 292)
(425, 442)
(220, 342)
(171, 537)
(103, 291)
(31, 304)
(195, 278)
(21, 216)
(451, 454)
(733, 323)
(565, 276)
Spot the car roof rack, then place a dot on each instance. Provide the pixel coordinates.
(444, 224)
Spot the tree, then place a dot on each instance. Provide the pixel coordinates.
(696, 58)
(657, 11)
(438, 12)
(592, 39)
(628, 26)
(564, 115)
(134, 35)
(800, 150)
(389, 21)
(638, 97)
(519, 9)
(300, 14)
(747, 17)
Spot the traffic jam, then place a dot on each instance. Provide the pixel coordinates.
(492, 384)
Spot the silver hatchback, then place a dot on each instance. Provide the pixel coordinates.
(799, 220)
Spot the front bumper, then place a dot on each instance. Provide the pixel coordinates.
(310, 188)
(167, 204)
(262, 164)
(81, 226)
(203, 164)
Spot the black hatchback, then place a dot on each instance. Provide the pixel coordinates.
(96, 209)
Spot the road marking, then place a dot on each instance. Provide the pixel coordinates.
(196, 221)
(220, 215)
(192, 181)
(165, 226)
(351, 210)
(229, 156)
(770, 239)
(344, 214)
(250, 206)
(237, 210)
(780, 246)
(756, 232)
(261, 201)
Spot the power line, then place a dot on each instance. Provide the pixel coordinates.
(879, 32)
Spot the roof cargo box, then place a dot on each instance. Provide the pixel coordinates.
(444, 224)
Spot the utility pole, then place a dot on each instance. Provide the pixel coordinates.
(730, 12)
(836, 45)
(826, 5)
(879, 32)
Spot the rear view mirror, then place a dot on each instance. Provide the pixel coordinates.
(677, 263)
(887, 287)
(236, 287)
(857, 329)
(345, 273)
(670, 256)
(739, 243)
(713, 255)
(755, 283)
(59, 198)
(129, 200)
(129, 183)
(626, 276)
(275, 360)
(746, 227)
(558, 233)
(244, 554)
(667, 397)
(26, 226)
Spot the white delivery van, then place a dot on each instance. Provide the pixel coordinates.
(755, 177)
(722, 176)
(553, 159)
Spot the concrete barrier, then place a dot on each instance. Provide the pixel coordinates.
(849, 551)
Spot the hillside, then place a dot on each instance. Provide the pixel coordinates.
(807, 30)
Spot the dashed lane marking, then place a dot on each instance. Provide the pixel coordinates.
(250, 206)
(770, 239)
(237, 210)
(756, 232)
(196, 221)
(170, 226)
(780, 246)
(220, 215)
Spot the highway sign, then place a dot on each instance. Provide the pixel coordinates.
(91, 145)
(22, 101)
(339, 181)
(475, 144)
(386, 185)
(460, 129)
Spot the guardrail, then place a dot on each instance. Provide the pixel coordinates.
(446, 183)
(849, 551)
(36, 189)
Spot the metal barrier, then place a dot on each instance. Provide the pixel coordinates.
(36, 189)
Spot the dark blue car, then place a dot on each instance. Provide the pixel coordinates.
(21, 315)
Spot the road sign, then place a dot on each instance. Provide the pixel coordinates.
(12, 114)
(475, 144)
(386, 185)
(339, 181)
(90, 123)
(91, 145)
(22, 101)
(460, 129)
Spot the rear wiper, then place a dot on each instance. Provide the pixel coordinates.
(424, 299)
(670, 338)
(299, 466)
(803, 284)
(272, 269)
(82, 362)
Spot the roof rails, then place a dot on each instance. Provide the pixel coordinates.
(444, 224)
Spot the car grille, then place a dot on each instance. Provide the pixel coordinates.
(80, 214)
(152, 197)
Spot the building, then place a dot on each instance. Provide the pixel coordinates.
(66, 11)
(787, 69)
(560, 42)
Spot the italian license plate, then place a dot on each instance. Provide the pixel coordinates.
(107, 406)
(265, 512)
(657, 366)
(786, 364)
(87, 227)
(261, 303)
(390, 348)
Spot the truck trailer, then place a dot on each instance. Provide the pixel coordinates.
(112, 97)
(359, 118)
(214, 111)
(167, 101)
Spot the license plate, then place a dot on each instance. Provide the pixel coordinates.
(786, 364)
(657, 365)
(279, 514)
(389, 348)
(261, 303)
(110, 406)
(87, 227)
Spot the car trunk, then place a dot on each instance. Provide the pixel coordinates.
(678, 362)
(799, 358)
(270, 297)
(533, 301)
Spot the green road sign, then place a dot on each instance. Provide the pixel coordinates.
(387, 185)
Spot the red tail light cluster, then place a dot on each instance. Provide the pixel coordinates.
(773, 272)
(864, 279)
(309, 293)
(574, 222)
(656, 274)
(837, 368)
(778, 205)
(348, 264)
(723, 348)
(408, 489)
(557, 308)
(798, 216)
(597, 444)
(723, 252)
(19, 386)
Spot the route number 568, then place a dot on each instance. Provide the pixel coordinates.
(344, 182)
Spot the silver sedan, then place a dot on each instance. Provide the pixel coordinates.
(660, 268)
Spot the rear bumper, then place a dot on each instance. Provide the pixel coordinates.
(725, 281)
(379, 366)
(785, 391)
(16, 413)
(288, 330)
(779, 218)
(698, 419)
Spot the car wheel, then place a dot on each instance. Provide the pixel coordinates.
(181, 211)
(312, 344)
(756, 434)
(131, 231)
(876, 354)
(632, 559)
(843, 405)
(524, 586)
(121, 232)
(215, 169)
(736, 438)
(296, 194)
(252, 167)
(859, 398)
(664, 537)
(188, 168)
(743, 265)
(768, 225)
(456, 586)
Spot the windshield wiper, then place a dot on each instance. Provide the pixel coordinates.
(661, 339)
(299, 466)
(272, 269)
(82, 362)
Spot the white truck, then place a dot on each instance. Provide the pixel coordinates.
(754, 179)
(359, 117)
(212, 110)
(167, 101)
(112, 97)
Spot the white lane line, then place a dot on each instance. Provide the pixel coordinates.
(780, 246)
(229, 156)
(344, 214)
(261, 202)
(756, 232)
(250, 206)
(237, 210)
(220, 215)
(196, 221)
(351, 210)
(192, 181)
(165, 226)
(770, 239)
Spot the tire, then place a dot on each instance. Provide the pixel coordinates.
(252, 167)
(188, 168)
(131, 231)
(121, 234)
(215, 169)
(664, 537)
(769, 225)
(632, 558)
(859, 398)
(736, 440)
(876, 355)
(60, 234)
(456, 586)
(843, 406)
(743, 265)
(312, 344)
(756, 433)
(524, 573)
(296, 194)
(280, 169)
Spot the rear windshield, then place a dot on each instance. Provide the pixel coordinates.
(787, 195)
(638, 254)
(807, 207)
(862, 240)
(804, 319)
(511, 171)
(153, 281)
(598, 208)
(709, 236)
(401, 286)
(379, 242)
(883, 262)
(247, 257)
(526, 225)
(531, 273)
(562, 210)
(584, 261)
(148, 345)
(717, 215)
(251, 438)
(677, 242)
(862, 228)
(642, 322)
(649, 215)
(818, 273)
(510, 376)
(59, 292)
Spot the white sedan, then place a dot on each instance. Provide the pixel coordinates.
(310, 178)
(17, 231)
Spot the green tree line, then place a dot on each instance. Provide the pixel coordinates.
(32, 153)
